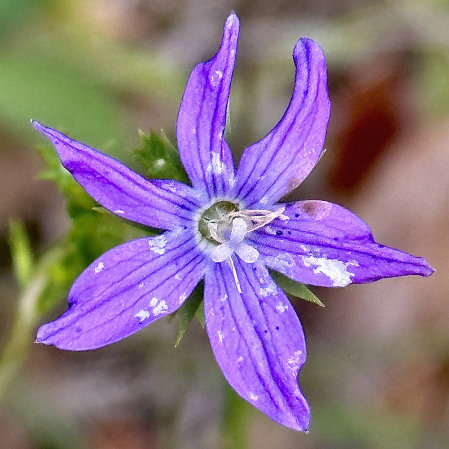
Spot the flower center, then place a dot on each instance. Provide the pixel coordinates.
(215, 220)
(226, 226)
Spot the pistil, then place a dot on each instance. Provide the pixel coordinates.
(226, 226)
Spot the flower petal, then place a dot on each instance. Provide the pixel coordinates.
(325, 244)
(279, 162)
(126, 289)
(202, 118)
(257, 340)
(161, 204)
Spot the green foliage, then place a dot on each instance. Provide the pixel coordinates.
(160, 158)
(295, 288)
(12, 12)
(22, 255)
(94, 231)
(434, 83)
(339, 426)
(192, 307)
(32, 87)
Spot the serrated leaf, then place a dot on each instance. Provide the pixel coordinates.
(192, 307)
(295, 288)
(21, 252)
(160, 158)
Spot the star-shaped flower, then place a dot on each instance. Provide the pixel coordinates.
(228, 228)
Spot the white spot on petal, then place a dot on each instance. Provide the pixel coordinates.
(142, 315)
(141, 284)
(183, 297)
(220, 336)
(282, 263)
(270, 290)
(294, 360)
(160, 307)
(334, 269)
(157, 244)
(215, 78)
(99, 267)
(119, 211)
(240, 360)
(216, 166)
(281, 308)
(153, 301)
(253, 397)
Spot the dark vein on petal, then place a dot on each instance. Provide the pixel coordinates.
(157, 259)
(141, 182)
(366, 250)
(171, 309)
(124, 290)
(294, 154)
(254, 362)
(274, 133)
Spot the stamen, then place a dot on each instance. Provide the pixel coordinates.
(226, 226)
(234, 272)
(258, 218)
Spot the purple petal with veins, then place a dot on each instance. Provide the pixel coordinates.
(258, 341)
(228, 229)
(325, 244)
(126, 289)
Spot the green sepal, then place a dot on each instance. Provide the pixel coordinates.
(193, 306)
(295, 288)
(21, 252)
(160, 158)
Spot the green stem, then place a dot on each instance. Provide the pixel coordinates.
(16, 349)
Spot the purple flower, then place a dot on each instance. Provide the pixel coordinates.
(228, 228)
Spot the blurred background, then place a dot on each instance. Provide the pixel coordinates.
(377, 374)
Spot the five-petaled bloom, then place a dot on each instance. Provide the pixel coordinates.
(228, 228)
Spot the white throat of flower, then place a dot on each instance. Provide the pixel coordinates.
(230, 230)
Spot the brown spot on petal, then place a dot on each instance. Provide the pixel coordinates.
(293, 183)
(316, 209)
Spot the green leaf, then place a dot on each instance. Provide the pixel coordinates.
(295, 288)
(160, 158)
(200, 314)
(21, 252)
(191, 307)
